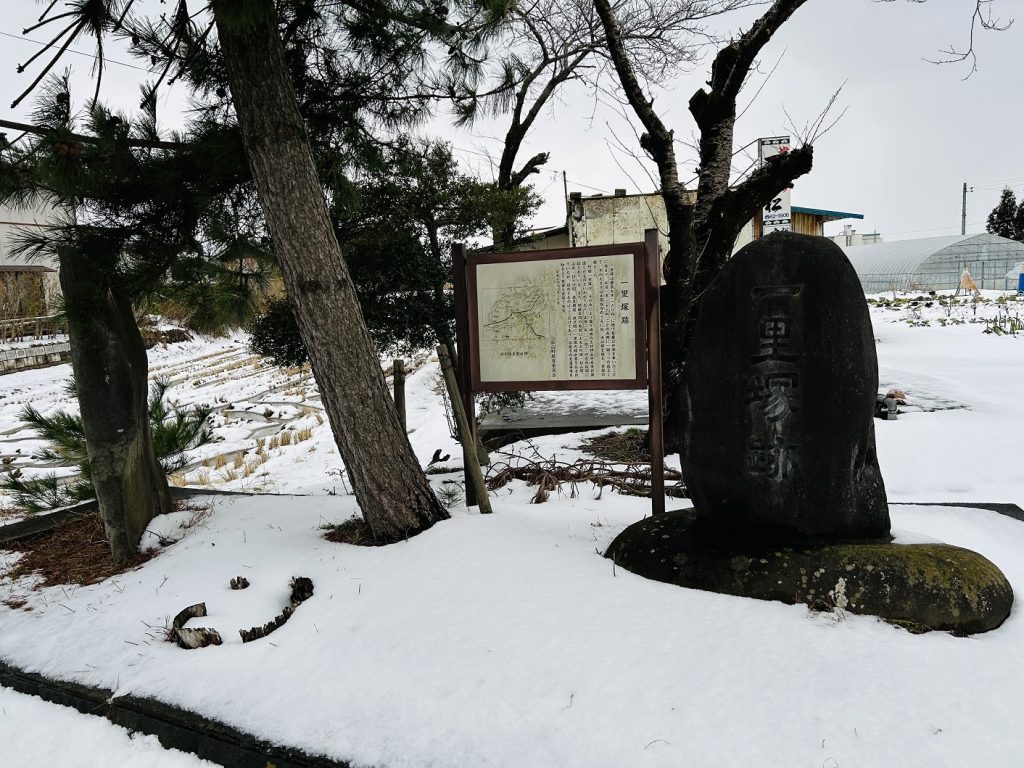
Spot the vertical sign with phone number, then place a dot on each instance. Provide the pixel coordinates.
(776, 216)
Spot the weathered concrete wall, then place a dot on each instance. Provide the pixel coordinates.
(622, 219)
(23, 358)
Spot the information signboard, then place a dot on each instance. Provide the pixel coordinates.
(569, 318)
(563, 319)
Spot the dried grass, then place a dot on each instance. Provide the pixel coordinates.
(219, 461)
(301, 435)
(275, 442)
(629, 447)
(286, 437)
(250, 466)
(352, 531)
(239, 459)
(6, 512)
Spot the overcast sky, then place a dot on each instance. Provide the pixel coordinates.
(913, 132)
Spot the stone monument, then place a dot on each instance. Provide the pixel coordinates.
(781, 383)
(779, 457)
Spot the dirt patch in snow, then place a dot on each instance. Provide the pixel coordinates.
(75, 552)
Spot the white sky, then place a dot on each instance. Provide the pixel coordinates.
(913, 132)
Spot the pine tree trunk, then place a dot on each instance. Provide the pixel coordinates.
(392, 491)
(108, 358)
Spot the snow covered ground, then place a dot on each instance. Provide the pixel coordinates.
(507, 640)
(27, 725)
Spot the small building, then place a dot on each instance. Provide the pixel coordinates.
(851, 236)
(28, 288)
(622, 218)
(936, 263)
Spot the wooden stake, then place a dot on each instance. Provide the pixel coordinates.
(655, 422)
(462, 376)
(467, 435)
(398, 380)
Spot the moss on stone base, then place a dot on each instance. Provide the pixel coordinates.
(934, 586)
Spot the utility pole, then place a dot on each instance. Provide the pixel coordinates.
(963, 213)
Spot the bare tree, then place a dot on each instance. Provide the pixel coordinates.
(551, 43)
(981, 18)
(701, 236)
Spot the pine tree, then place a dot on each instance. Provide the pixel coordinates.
(1018, 223)
(296, 75)
(1003, 220)
(126, 226)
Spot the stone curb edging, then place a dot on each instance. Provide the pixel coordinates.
(39, 356)
(175, 728)
(1009, 510)
(44, 522)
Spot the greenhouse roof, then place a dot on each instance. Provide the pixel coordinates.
(906, 256)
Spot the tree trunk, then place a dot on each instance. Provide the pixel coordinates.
(392, 491)
(108, 358)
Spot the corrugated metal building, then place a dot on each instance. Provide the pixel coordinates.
(936, 263)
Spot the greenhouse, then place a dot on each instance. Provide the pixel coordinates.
(936, 263)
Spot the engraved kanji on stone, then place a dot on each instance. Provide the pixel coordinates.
(774, 395)
(774, 460)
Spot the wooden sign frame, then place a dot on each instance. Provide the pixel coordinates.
(647, 322)
(638, 309)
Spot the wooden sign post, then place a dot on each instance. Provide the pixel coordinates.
(570, 318)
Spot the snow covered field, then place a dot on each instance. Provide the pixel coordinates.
(507, 640)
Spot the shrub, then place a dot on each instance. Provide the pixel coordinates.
(275, 334)
(175, 431)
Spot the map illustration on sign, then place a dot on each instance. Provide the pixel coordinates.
(557, 320)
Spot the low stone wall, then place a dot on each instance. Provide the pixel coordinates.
(34, 357)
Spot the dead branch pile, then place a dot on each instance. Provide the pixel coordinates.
(625, 447)
(550, 474)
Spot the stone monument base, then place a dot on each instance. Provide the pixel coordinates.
(918, 586)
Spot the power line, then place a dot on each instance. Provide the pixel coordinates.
(932, 229)
(553, 173)
(80, 53)
(981, 184)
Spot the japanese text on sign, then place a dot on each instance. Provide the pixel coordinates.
(557, 320)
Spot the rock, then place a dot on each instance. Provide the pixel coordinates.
(780, 388)
(917, 586)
